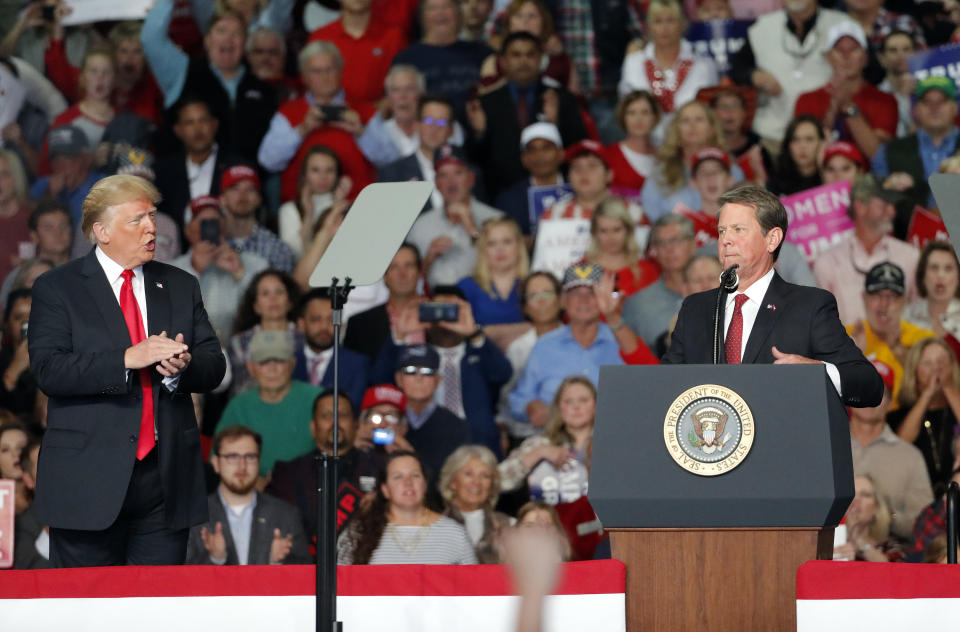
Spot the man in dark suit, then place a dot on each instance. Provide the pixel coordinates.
(245, 526)
(368, 330)
(315, 356)
(195, 170)
(768, 320)
(525, 97)
(120, 478)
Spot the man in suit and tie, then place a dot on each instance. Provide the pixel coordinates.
(118, 342)
(767, 320)
(245, 526)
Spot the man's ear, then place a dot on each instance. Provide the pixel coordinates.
(774, 238)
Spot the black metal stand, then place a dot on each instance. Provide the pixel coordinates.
(328, 467)
(953, 493)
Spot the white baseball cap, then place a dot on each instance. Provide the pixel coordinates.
(846, 28)
(546, 131)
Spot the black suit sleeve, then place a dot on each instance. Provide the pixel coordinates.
(60, 371)
(860, 384)
(675, 353)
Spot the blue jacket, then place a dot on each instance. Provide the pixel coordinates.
(354, 368)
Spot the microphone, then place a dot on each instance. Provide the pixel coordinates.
(729, 279)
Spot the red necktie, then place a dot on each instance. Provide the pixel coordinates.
(131, 314)
(735, 332)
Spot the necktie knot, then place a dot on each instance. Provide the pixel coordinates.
(127, 275)
(740, 299)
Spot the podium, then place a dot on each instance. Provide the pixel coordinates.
(716, 482)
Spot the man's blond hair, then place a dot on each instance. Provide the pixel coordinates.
(111, 191)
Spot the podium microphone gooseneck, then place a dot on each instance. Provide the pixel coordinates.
(729, 282)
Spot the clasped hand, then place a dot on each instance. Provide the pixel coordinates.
(170, 356)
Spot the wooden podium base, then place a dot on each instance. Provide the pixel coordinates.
(735, 580)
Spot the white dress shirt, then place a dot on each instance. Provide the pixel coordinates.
(317, 363)
(751, 308)
(429, 175)
(200, 178)
(114, 270)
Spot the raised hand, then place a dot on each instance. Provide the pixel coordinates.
(215, 543)
(280, 547)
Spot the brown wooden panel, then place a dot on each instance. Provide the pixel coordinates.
(735, 580)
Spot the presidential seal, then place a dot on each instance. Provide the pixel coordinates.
(708, 430)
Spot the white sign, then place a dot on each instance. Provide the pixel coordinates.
(86, 11)
(560, 244)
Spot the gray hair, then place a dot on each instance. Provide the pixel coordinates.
(767, 207)
(675, 219)
(265, 30)
(408, 68)
(458, 460)
(320, 47)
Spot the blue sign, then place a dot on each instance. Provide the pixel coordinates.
(943, 61)
(543, 197)
(718, 39)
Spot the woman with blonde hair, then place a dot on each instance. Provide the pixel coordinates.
(470, 486)
(929, 400)
(667, 66)
(564, 445)
(613, 246)
(694, 127)
(493, 290)
(868, 527)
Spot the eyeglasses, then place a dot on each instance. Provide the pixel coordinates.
(378, 419)
(438, 122)
(251, 458)
(418, 370)
(541, 296)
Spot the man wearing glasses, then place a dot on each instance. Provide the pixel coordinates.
(246, 526)
(434, 431)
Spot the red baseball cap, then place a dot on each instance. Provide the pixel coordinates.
(885, 371)
(710, 153)
(236, 174)
(384, 394)
(843, 148)
(585, 147)
(197, 204)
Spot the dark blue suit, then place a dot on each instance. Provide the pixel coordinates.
(483, 372)
(515, 203)
(354, 368)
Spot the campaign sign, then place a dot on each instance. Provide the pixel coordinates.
(541, 198)
(6, 523)
(818, 218)
(925, 226)
(560, 243)
(719, 39)
(943, 61)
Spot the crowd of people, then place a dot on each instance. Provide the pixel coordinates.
(578, 152)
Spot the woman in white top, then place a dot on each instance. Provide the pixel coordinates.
(398, 528)
(321, 182)
(938, 283)
(667, 66)
(470, 486)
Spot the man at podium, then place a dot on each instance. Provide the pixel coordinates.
(762, 319)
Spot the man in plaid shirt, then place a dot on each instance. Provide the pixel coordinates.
(240, 196)
(932, 521)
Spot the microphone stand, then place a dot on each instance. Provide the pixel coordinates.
(328, 466)
(729, 282)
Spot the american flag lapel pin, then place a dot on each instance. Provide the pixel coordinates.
(159, 284)
(771, 307)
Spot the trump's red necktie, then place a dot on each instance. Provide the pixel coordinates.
(735, 332)
(131, 314)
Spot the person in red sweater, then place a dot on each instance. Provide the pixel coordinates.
(856, 111)
(631, 160)
(322, 116)
(368, 47)
(134, 86)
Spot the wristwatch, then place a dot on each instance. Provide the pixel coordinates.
(850, 111)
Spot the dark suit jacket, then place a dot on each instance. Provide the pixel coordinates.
(795, 319)
(172, 181)
(408, 168)
(368, 331)
(353, 374)
(77, 342)
(499, 148)
(515, 202)
(269, 514)
(483, 372)
(26, 530)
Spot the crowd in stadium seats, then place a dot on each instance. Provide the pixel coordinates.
(578, 151)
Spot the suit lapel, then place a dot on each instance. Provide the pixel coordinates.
(101, 294)
(766, 320)
(722, 355)
(218, 513)
(156, 290)
(260, 537)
